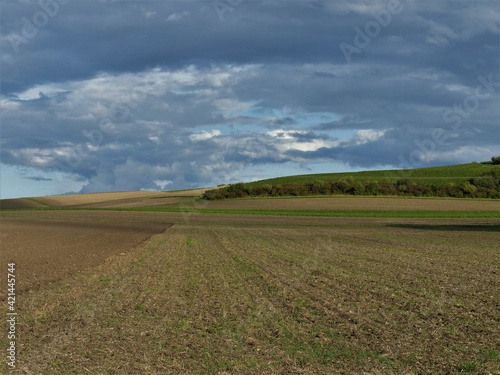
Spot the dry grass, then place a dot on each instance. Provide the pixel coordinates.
(19, 203)
(247, 295)
(115, 199)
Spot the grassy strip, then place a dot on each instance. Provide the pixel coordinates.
(346, 213)
(39, 202)
(316, 213)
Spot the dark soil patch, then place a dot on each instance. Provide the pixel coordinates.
(49, 250)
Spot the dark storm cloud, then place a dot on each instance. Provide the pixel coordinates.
(131, 95)
(37, 178)
(85, 37)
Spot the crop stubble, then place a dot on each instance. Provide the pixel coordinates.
(273, 295)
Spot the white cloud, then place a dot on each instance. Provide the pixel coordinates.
(285, 134)
(367, 135)
(177, 16)
(162, 184)
(204, 135)
(148, 14)
(9, 105)
(36, 157)
(285, 140)
(98, 97)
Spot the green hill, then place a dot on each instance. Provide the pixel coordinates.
(472, 180)
(451, 174)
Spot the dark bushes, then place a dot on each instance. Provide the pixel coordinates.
(485, 186)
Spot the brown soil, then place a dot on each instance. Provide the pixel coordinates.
(19, 203)
(220, 294)
(48, 250)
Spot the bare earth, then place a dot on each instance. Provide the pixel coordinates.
(48, 250)
(114, 292)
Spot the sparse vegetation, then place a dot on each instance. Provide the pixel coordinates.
(273, 295)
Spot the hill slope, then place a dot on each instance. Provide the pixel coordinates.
(456, 174)
(471, 180)
(124, 199)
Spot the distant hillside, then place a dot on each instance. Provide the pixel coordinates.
(124, 199)
(20, 203)
(472, 180)
(456, 174)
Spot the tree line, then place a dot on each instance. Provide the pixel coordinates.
(484, 186)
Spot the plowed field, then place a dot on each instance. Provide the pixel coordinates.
(48, 250)
(218, 294)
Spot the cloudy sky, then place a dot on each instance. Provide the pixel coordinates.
(112, 95)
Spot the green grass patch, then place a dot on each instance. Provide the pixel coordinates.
(456, 174)
(392, 213)
(467, 367)
(318, 213)
(39, 202)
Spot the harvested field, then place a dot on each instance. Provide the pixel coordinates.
(220, 294)
(95, 198)
(117, 199)
(79, 200)
(48, 250)
(19, 203)
(188, 200)
(134, 202)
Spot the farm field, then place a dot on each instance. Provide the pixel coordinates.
(48, 250)
(96, 200)
(247, 294)
(356, 203)
(332, 206)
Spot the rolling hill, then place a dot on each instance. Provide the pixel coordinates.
(456, 174)
(472, 180)
(124, 199)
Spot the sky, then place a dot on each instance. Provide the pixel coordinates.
(119, 95)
